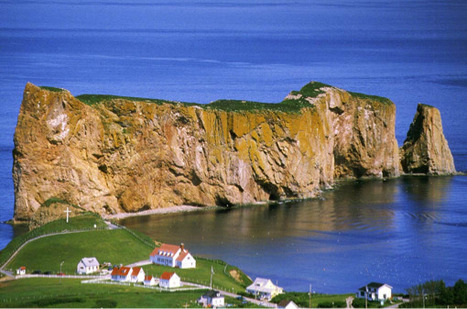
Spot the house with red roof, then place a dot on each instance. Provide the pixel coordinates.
(137, 274)
(149, 281)
(169, 280)
(121, 274)
(21, 270)
(127, 274)
(173, 256)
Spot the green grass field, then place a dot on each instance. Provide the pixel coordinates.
(114, 246)
(317, 300)
(202, 273)
(79, 223)
(71, 293)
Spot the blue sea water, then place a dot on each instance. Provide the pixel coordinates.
(200, 51)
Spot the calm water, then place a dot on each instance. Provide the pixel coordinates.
(409, 51)
(401, 232)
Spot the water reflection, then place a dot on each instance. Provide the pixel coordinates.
(370, 231)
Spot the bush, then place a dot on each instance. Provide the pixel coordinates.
(106, 303)
(335, 304)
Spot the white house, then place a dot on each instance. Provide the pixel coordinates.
(21, 270)
(287, 304)
(169, 280)
(127, 274)
(264, 289)
(211, 299)
(173, 256)
(375, 291)
(149, 281)
(137, 274)
(87, 266)
(121, 274)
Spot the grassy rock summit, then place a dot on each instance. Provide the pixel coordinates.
(110, 154)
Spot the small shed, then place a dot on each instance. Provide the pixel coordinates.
(287, 304)
(169, 280)
(21, 270)
(211, 299)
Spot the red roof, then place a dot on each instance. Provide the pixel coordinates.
(166, 276)
(122, 271)
(22, 267)
(165, 248)
(182, 255)
(136, 271)
(148, 278)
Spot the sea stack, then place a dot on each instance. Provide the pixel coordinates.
(426, 150)
(109, 154)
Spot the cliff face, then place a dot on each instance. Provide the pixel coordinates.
(425, 149)
(119, 155)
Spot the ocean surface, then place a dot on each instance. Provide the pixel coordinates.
(402, 231)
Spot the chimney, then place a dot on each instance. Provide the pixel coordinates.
(182, 246)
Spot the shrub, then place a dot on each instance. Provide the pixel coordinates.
(106, 303)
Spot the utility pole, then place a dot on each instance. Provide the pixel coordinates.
(212, 273)
(60, 274)
(309, 294)
(366, 297)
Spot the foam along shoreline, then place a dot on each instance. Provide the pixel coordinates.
(166, 210)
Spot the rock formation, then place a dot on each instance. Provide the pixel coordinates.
(425, 150)
(111, 154)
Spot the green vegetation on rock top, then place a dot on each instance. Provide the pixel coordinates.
(310, 90)
(371, 97)
(53, 89)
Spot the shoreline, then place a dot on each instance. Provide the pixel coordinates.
(158, 211)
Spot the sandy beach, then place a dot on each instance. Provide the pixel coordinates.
(168, 210)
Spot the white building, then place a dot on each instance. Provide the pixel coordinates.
(287, 304)
(87, 266)
(137, 274)
(169, 280)
(149, 281)
(264, 289)
(375, 291)
(21, 270)
(211, 299)
(127, 274)
(173, 256)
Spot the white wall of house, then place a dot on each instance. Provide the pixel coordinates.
(174, 282)
(384, 292)
(188, 262)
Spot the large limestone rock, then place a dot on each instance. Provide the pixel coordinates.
(117, 155)
(425, 149)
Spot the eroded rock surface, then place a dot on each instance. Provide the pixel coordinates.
(117, 155)
(425, 149)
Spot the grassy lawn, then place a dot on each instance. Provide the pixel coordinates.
(317, 300)
(46, 254)
(83, 222)
(71, 293)
(202, 273)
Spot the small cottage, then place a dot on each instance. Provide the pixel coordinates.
(375, 291)
(121, 274)
(169, 280)
(149, 281)
(87, 266)
(211, 299)
(264, 289)
(21, 270)
(287, 304)
(137, 274)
